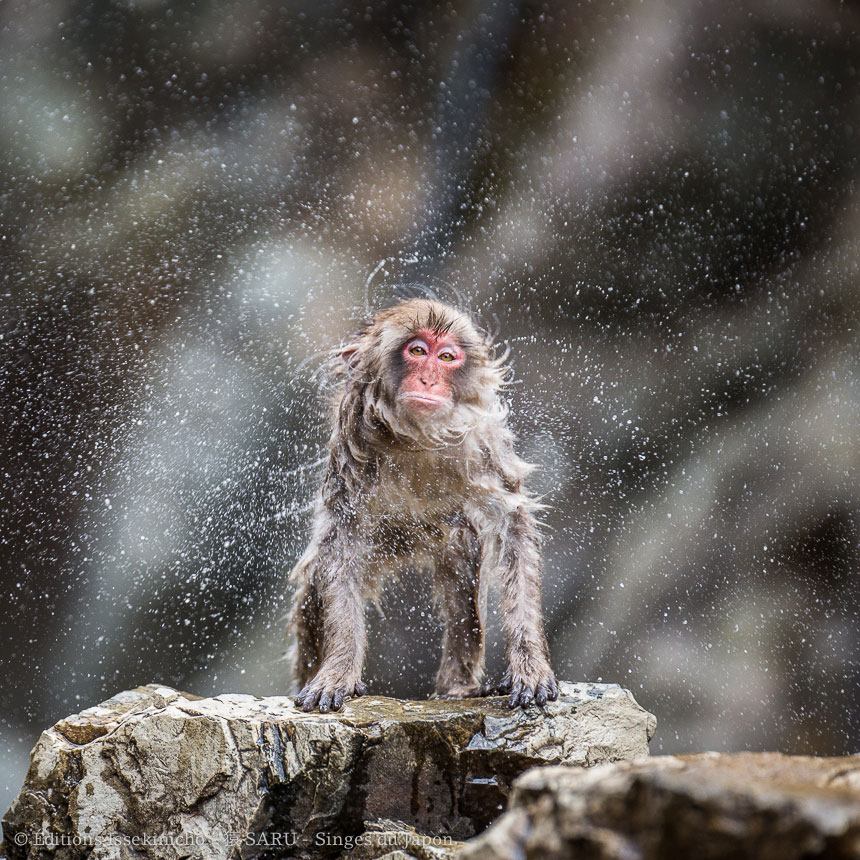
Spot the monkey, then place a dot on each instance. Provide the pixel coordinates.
(421, 472)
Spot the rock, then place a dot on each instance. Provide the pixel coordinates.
(761, 806)
(158, 773)
(395, 840)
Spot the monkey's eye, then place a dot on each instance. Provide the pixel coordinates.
(417, 349)
(447, 355)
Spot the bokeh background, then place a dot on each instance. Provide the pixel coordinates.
(654, 204)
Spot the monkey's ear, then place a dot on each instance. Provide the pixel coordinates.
(349, 355)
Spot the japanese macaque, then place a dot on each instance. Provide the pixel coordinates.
(421, 472)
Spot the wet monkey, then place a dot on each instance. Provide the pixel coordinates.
(421, 472)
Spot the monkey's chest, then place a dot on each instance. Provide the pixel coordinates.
(418, 489)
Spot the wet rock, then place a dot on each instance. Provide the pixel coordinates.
(161, 774)
(760, 806)
(395, 840)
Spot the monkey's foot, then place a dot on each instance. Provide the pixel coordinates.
(538, 686)
(464, 691)
(328, 695)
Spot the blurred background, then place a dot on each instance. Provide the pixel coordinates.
(654, 204)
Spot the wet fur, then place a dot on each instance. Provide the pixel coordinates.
(399, 490)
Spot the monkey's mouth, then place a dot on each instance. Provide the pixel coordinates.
(428, 400)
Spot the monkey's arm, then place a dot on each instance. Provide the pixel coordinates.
(517, 561)
(329, 620)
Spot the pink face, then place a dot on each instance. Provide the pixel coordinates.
(431, 360)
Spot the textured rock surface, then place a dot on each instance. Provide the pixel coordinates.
(158, 773)
(761, 806)
(394, 840)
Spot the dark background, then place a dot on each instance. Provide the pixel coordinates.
(654, 204)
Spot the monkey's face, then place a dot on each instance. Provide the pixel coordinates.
(430, 359)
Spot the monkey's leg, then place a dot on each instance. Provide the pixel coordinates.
(457, 580)
(344, 639)
(306, 623)
(529, 676)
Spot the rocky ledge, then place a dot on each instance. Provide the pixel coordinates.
(749, 806)
(155, 773)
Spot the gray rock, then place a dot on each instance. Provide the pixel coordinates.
(395, 840)
(161, 774)
(749, 806)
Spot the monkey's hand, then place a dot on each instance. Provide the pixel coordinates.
(527, 685)
(328, 693)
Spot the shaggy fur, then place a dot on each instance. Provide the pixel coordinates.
(400, 489)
